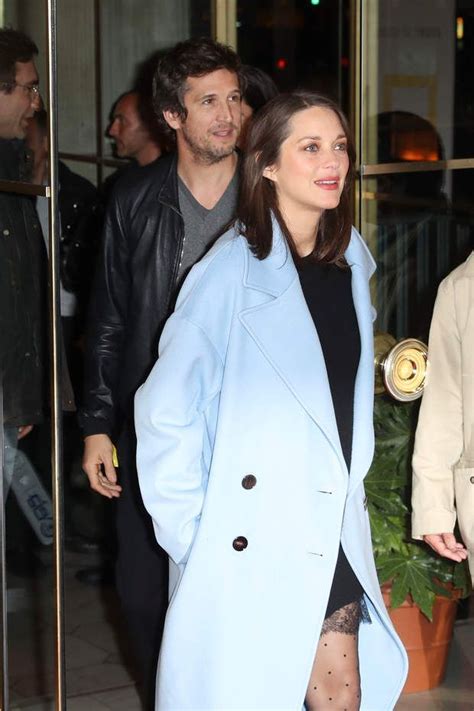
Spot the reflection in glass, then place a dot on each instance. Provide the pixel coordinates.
(99, 55)
(419, 235)
(424, 53)
(100, 45)
(417, 74)
(24, 368)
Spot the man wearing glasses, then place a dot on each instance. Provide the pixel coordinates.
(19, 83)
(22, 265)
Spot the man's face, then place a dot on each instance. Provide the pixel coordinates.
(127, 130)
(212, 125)
(17, 107)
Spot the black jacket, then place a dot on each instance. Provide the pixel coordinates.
(81, 213)
(133, 293)
(23, 299)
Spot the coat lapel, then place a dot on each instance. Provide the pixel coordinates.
(362, 266)
(283, 329)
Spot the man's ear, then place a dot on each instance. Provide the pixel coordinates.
(269, 172)
(173, 119)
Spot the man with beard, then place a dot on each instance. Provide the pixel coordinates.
(160, 221)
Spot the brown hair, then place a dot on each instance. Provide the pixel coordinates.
(195, 57)
(258, 197)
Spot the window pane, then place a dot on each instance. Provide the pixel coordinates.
(298, 42)
(418, 235)
(422, 78)
(127, 38)
(76, 77)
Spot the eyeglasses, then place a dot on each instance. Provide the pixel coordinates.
(32, 89)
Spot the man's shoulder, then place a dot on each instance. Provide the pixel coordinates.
(73, 183)
(140, 182)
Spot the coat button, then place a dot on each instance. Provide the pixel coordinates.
(240, 543)
(6, 233)
(472, 479)
(249, 481)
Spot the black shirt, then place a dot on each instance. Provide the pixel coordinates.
(327, 289)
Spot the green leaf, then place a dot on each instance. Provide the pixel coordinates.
(462, 578)
(409, 576)
(386, 533)
(384, 503)
(411, 566)
(385, 473)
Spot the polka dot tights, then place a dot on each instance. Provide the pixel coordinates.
(334, 684)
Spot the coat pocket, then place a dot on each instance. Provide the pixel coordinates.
(464, 493)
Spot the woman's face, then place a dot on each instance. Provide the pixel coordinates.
(313, 163)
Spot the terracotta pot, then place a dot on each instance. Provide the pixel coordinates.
(427, 643)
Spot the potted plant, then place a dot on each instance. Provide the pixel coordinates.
(419, 587)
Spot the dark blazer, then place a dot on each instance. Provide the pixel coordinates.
(23, 299)
(133, 293)
(81, 216)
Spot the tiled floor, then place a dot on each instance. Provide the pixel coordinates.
(97, 675)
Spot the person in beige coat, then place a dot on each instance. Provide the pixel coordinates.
(443, 460)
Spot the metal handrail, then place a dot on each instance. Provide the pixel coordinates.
(55, 340)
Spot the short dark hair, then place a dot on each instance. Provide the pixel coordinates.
(195, 57)
(15, 47)
(259, 87)
(258, 197)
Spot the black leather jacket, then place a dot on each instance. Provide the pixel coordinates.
(133, 293)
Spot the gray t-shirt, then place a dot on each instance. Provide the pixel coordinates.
(202, 226)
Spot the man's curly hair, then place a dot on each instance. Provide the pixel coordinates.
(193, 58)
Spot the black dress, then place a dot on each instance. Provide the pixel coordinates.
(327, 290)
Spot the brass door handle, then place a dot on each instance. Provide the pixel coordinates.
(400, 367)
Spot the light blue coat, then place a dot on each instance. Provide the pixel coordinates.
(241, 388)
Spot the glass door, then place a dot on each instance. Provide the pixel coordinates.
(416, 147)
(61, 638)
(30, 413)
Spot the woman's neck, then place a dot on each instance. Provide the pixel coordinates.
(303, 229)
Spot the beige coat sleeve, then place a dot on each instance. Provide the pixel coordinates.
(439, 435)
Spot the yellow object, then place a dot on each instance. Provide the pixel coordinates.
(115, 460)
(400, 368)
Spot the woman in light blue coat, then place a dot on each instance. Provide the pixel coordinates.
(254, 436)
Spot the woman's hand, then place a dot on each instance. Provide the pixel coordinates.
(445, 544)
